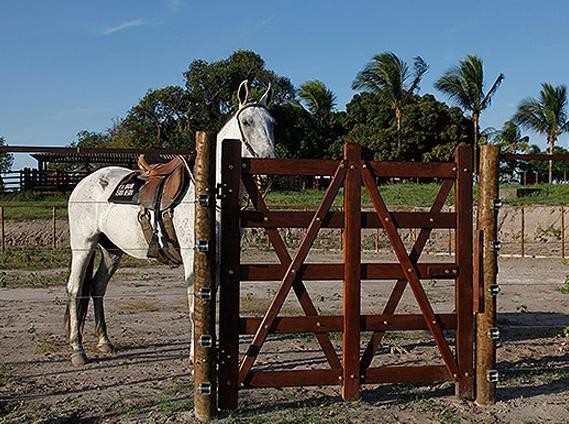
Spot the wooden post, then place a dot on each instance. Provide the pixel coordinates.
(562, 232)
(464, 257)
(54, 227)
(205, 385)
(523, 232)
(486, 320)
(2, 231)
(229, 281)
(352, 270)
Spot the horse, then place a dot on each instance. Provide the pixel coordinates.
(113, 229)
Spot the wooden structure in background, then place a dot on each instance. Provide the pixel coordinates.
(352, 174)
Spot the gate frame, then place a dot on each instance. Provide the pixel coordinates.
(350, 374)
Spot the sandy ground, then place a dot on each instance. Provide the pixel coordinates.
(149, 378)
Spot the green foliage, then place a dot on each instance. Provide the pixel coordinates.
(6, 160)
(430, 130)
(564, 288)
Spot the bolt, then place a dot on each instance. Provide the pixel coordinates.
(447, 271)
(465, 169)
(266, 219)
(352, 167)
(266, 327)
(364, 166)
(431, 220)
(466, 374)
(454, 168)
(318, 324)
(454, 375)
(317, 219)
(243, 165)
(230, 272)
(352, 376)
(386, 219)
(434, 321)
(228, 382)
(242, 384)
(230, 166)
(292, 271)
(385, 323)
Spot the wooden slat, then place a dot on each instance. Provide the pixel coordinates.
(301, 219)
(229, 277)
(413, 169)
(264, 166)
(352, 274)
(419, 374)
(330, 271)
(325, 324)
(535, 156)
(290, 275)
(293, 378)
(464, 285)
(297, 286)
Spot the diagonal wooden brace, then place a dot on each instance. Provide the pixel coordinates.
(285, 259)
(401, 284)
(409, 269)
(290, 275)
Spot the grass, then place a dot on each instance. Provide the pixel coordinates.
(6, 375)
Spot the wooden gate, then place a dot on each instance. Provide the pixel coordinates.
(353, 367)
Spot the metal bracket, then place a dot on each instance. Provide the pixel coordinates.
(498, 204)
(205, 293)
(494, 333)
(493, 376)
(496, 246)
(205, 388)
(220, 191)
(206, 341)
(202, 246)
(203, 200)
(494, 289)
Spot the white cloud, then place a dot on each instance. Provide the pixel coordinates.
(122, 26)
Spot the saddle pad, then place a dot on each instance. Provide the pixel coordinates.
(127, 190)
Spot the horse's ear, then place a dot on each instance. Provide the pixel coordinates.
(243, 92)
(267, 97)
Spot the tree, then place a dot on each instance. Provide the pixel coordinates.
(545, 115)
(318, 99)
(390, 77)
(510, 140)
(430, 129)
(464, 84)
(6, 159)
(211, 87)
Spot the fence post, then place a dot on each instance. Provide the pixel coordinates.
(486, 320)
(2, 231)
(54, 227)
(523, 232)
(352, 270)
(205, 385)
(562, 232)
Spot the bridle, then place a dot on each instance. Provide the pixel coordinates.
(243, 139)
(252, 151)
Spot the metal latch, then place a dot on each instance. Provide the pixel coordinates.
(205, 388)
(494, 289)
(494, 333)
(498, 203)
(493, 376)
(206, 341)
(220, 190)
(204, 293)
(202, 245)
(203, 200)
(496, 245)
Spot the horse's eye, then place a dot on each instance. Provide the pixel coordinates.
(247, 122)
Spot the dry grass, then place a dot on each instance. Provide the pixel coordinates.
(139, 306)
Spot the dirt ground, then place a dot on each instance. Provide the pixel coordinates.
(149, 378)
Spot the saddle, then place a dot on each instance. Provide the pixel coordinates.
(157, 188)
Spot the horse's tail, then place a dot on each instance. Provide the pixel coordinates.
(83, 297)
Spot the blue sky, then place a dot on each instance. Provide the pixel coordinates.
(66, 66)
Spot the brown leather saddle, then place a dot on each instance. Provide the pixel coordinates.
(157, 188)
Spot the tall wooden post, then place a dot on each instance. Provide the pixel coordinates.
(464, 287)
(54, 227)
(205, 385)
(562, 232)
(2, 231)
(229, 287)
(523, 232)
(352, 269)
(486, 331)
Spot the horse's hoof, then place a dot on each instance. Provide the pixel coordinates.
(106, 348)
(79, 358)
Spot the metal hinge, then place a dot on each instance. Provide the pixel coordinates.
(493, 376)
(204, 200)
(206, 341)
(494, 333)
(205, 293)
(220, 191)
(205, 388)
(202, 246)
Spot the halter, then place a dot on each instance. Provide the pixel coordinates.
(247, 144)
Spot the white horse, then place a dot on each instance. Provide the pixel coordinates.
(114, 229)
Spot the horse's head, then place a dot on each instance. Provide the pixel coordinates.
(252, 124)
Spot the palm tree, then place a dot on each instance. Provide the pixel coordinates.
(546, 115)
(464, 84)
(390, 77)
(319, 100)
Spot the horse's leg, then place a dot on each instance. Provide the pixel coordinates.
(188, 258)
(110, 258)
(77, 290)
